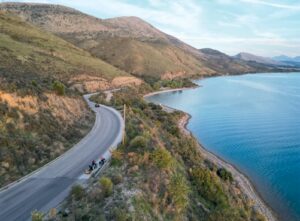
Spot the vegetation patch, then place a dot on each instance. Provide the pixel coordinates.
(160, 175)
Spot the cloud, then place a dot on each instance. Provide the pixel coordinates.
(273, 41)
(273, 4)
(229, 24)
(264, 46)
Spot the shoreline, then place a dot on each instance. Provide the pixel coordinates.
(242, 180)
(169, 90)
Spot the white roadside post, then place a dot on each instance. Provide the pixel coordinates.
(124, 118)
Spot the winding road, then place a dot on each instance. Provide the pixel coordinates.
(47, 187)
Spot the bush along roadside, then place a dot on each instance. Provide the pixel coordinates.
(158, 174)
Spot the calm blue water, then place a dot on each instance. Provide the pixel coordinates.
(253, 122)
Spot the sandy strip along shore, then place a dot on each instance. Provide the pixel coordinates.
(168, 90)
(242, 181)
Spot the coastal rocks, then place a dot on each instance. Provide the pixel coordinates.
(182, 124)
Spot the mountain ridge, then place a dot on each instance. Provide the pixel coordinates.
(259, 59)
(129, 43)
(287, 58)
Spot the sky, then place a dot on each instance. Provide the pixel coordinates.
(262, 27)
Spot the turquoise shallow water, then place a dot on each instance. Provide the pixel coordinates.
(253, 122)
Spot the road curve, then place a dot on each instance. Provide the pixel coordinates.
(47, 187)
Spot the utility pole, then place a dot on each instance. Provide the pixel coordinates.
(124, 118)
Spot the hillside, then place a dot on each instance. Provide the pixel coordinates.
(220, 61)
(160, 173)
(128, 43)
(25, 48)
(50, 55)
(41, 114)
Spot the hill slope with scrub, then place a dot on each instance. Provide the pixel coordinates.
(42, 112)
(159, 173)
(129, 43)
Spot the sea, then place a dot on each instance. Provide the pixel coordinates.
(253, 122)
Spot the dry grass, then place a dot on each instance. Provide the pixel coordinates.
(48, 53)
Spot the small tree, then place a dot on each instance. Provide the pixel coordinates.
(139, 142)
(209, 187)
(107, 186)
(33, 82)
(77, 192)
(58, 87)
(116, 159)
(162, 158)
(224, 174)
(179, 192)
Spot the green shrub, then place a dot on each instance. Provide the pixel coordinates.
(37, 216)
(210, 165)
(120, 214)
(33, 82)
(209, 187)
(189, 152)
(117, 157)
(179, 192)
(116, 179)
(131, 128)
(178, 83)
(58, 87)
(224, 174)
(107, 186)
(99, 98)
(139, 142)
(225, 214)
(258, 217)
(77, 192)
(162, 158)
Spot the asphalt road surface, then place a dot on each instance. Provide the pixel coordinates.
(47, 187)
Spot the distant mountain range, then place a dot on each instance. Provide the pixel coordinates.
(287, 58)
(232, 65)
(259, 59)
(279, 61)
(292, 61)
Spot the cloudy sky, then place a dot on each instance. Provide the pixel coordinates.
(263, 27)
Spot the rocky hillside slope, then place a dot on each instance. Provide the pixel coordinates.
(41, 113)
(158, 174)
(27, 49)
(128, 43)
